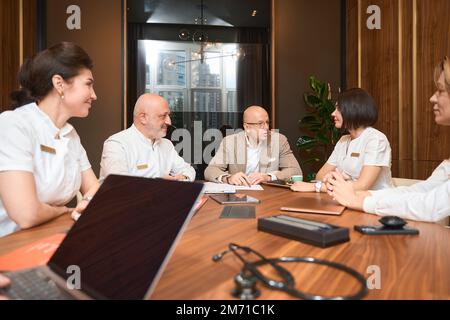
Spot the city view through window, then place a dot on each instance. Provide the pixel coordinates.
(195, 91)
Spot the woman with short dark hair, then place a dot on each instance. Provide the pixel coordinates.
(42, 161)
(364, 154)
(428, 200)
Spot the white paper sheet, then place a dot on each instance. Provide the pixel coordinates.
(211, 187)
(255, 187)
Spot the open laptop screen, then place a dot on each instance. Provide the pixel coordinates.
(123, 237)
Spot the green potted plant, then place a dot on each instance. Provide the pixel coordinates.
(320, 134)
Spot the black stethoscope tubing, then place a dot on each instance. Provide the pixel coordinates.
(289, 283)
(303, 295)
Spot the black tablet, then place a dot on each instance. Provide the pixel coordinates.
(234, 198)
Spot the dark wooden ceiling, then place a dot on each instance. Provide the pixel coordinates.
(232, 13)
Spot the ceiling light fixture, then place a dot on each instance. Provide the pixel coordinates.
(200, 37)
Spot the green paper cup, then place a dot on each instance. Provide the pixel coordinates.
(297, 178)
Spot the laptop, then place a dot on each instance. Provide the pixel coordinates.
(119, 246)
(314, 203)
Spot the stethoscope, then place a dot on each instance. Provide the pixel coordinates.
(246, 279)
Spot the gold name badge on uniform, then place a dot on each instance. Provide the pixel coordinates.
(47, 149)
(142, 166)
(355, 155)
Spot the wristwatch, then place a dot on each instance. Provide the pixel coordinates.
(318, 186)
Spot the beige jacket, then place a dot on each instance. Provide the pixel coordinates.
(276, 157)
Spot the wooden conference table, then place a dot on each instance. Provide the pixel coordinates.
(411, 267)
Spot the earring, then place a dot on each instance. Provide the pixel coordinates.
(62, 95)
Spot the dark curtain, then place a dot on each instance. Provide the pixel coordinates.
(136, 74)
(253, 75)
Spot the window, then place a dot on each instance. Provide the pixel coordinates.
(176, 71)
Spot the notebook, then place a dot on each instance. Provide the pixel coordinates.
(278, 183)
(32, 255)
(313, 203)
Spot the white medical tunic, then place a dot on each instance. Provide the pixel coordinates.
(129, 152)
(370, 148)
(31, 142)
(428, 200)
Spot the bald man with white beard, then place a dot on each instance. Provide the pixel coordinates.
(254, 155)
(142, 150)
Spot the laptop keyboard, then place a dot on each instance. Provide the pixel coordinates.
(33, 284)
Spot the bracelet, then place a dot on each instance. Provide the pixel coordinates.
(87, 198)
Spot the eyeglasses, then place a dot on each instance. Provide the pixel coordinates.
(260, 124)
(288, 282)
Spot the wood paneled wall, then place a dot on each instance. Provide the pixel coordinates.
(10, 49)
(306, 42)
(101, 36)
(395, 64)
(433, 43)
(30, 28)
(18, 25)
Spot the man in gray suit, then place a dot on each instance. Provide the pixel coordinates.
(254, 155)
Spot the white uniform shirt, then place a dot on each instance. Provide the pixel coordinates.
(428, 200)
(129, 152)
(31, 142)
(371, 148)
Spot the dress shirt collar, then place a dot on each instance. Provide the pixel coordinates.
(249, 145)
(144, 139)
